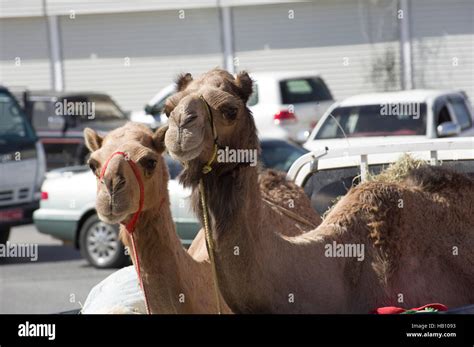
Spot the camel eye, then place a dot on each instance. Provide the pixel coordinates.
(94, 167)
(229, 112)
(149, 165)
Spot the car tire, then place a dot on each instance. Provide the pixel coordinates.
(99, 243)
(4, 234)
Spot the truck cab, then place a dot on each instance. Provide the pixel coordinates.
(22, 166)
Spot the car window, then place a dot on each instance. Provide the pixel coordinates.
(253, 100)
(280, 155)
(461, 113)
(443, 115)
(41, 111)
(370, 120)
(300, 90)
(13, 123)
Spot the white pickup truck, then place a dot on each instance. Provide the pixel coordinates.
(328, 173)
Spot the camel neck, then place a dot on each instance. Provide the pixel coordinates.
(165, 264)
(250, 250)
(232, 200)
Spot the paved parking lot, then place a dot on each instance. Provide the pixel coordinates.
(59, 280)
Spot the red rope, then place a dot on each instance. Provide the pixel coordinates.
(130, 226)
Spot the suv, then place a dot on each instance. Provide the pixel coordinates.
(401, 117)
(285, 105)
(60, 118)
(22, 166)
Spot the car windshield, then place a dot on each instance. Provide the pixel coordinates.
(280, 155)
(13, 123)
(300, 90)
(92, 108)
(374, 120)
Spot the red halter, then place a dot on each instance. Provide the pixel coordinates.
(130, 226)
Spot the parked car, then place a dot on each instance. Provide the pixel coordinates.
(393, 117)
(67, 209)
(59, 119)
(22, 166)
(286, 105)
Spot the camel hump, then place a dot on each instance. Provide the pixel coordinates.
(276, 187)
(435, 179)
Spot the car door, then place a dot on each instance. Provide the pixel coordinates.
(442, 113)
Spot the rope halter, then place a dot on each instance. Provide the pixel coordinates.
(130, 226)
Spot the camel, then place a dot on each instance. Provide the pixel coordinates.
(177, 281)
(409, 253)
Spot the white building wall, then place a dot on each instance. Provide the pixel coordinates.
(132, 56)
(354, 44)
(443, 44)
(24, 55)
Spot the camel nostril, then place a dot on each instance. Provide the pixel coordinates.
(114, 184)
(119, 184)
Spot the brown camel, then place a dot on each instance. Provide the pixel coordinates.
(177, 281)
(416, 237)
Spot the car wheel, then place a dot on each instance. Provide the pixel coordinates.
(4, 234)
(100, 244)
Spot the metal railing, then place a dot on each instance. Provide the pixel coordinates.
(433, 146)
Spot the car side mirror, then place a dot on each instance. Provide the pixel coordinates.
(56, 122)
(154, 110)
(448, 129)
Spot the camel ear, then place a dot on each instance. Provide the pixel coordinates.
(159, 138)
(245, 84)
(182, 81)
(92, 139)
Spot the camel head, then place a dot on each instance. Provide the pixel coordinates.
(118, 192)
(207, 111)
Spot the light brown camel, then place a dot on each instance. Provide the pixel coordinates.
(417, 237)
(177, 281)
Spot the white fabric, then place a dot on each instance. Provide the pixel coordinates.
(119, 293)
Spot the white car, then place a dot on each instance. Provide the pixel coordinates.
(393, 117)
(286, 105)
(67, 212)
(67, 207)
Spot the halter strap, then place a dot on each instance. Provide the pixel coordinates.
(130, 226)
(208, 166)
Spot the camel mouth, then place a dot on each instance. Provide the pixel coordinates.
(113, 218)
(187, 154)
(113, 209)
